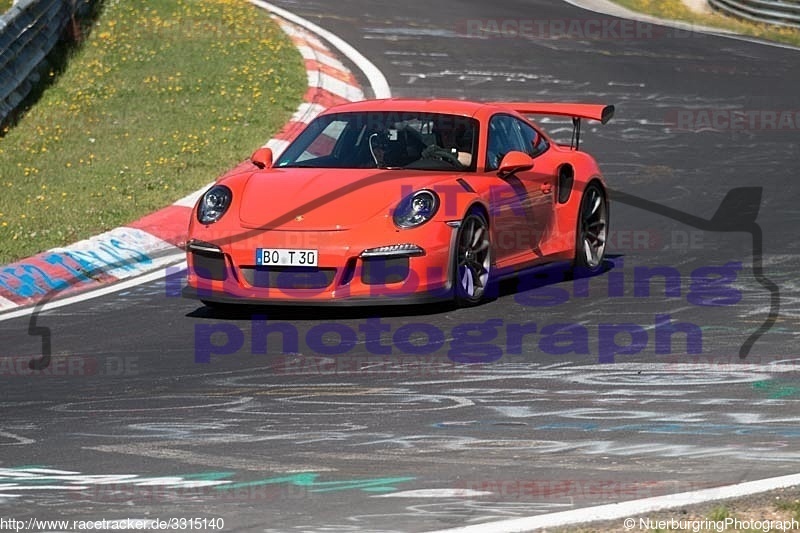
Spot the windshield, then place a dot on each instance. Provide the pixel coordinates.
(389, 140)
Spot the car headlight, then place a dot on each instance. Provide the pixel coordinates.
(213, 204)
(416, 209)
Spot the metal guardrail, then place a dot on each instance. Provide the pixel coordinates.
(777, 12)
(29, 31)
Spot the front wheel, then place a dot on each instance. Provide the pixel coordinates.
(473, 260)
(590, 248)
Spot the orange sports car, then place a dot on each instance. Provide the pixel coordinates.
(401, 201)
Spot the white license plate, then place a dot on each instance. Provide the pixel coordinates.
(286, 257)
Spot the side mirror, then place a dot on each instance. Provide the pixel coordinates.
(514, 162)
(262, 158)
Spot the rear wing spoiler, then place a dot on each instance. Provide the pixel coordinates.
(602, 113)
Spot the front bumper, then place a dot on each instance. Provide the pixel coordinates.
(226, 272)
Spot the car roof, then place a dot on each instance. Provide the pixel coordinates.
(437, 105)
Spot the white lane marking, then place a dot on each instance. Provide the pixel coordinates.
(375, 77)
(133, 282)
(616, 511)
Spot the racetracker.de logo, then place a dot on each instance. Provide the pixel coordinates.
(709, 119)
(595, 28)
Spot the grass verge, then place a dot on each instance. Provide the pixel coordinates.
(677, 10)
(162, 97)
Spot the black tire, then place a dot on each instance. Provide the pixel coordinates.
(592, 231)
(472, 260)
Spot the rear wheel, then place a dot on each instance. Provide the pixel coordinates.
(473, 259)
(590, 249)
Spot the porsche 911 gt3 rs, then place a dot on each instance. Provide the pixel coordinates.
(401, 201)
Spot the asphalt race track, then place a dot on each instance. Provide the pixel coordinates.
(275, 436)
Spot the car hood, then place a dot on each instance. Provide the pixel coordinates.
(305, 199)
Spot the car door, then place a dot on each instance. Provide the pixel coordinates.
(540, 183)
(510, 196)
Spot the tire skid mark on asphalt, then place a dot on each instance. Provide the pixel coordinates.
(198, 401)
(163, 451)
(611, 386)
(8, 438)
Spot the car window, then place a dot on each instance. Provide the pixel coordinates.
(504, 136)
(388, 140)
(535, 143)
